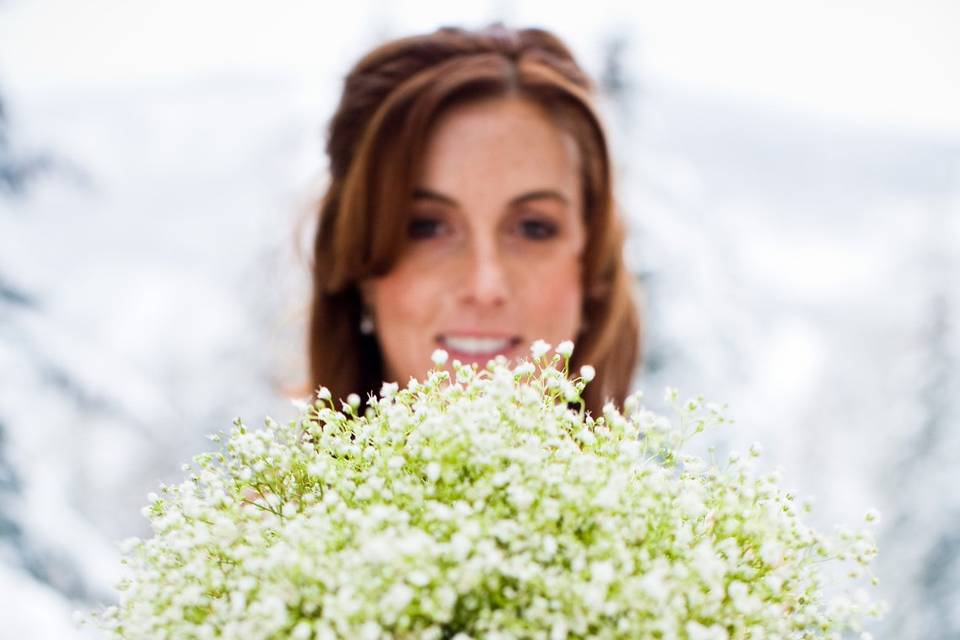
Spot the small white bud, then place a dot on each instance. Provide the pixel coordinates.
(525, 369)
(353, 400)
(323, 393)
(550, 545)
(587, 373)
(539, 349)
(439, 357)
(302, 631)
(565, 348)
(632, 403)
(389, 389)
(418, 578)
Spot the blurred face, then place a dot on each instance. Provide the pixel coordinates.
(495, 239)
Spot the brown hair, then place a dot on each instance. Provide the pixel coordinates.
(390, 100)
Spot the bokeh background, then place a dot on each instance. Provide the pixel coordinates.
(790, 173)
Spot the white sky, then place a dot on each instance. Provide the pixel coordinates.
(885, 62)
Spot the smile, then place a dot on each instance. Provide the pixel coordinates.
(476, 345)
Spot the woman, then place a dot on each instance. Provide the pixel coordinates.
(470, 208)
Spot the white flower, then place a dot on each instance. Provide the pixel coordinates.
(697, 631)
(559, 630)
(587, 373)
(444, 505)
(602, 572)
(770, 552)
(370, 631)
(586, 436)
(565, 349)
(439, 357)
(418, 579)
(398, 597)
(655, 586)
(525, 368)
(690, 504)
(539, 349)
(520, 497)
(225, 530)
(550, 545)
(389, 389)
(302, 631)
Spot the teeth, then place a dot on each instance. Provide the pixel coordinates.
(476, 345)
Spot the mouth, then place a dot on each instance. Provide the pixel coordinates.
(476, 347)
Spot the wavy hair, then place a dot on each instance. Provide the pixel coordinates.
(375, 145)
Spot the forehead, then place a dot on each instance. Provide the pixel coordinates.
(499, 145)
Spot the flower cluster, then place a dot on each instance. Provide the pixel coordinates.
(482, 503)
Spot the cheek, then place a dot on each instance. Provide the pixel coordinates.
(404, 306)
(552, 301)
(401, 298)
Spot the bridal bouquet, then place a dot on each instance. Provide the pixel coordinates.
(483, 504)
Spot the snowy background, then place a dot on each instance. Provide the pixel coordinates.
(790, 173)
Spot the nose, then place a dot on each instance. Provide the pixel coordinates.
(485, 281)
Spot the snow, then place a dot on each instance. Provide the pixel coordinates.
(796, 236)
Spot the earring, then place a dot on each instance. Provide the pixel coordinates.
(366, 323)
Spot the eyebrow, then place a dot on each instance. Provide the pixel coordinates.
(551, 194)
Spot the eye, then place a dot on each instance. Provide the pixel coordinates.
(421, 227)
(537, 228)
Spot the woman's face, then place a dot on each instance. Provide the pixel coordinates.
(495, 239)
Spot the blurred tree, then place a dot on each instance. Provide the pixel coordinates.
(16, 172)
(46, 566)
(928, 608)
(620, 86)
(938, 574)
(9, 486)
(613, 79)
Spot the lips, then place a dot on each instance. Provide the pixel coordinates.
(477, 347)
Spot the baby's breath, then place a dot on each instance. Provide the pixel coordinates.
(477, 504)
(565, 349)
(539, 349)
